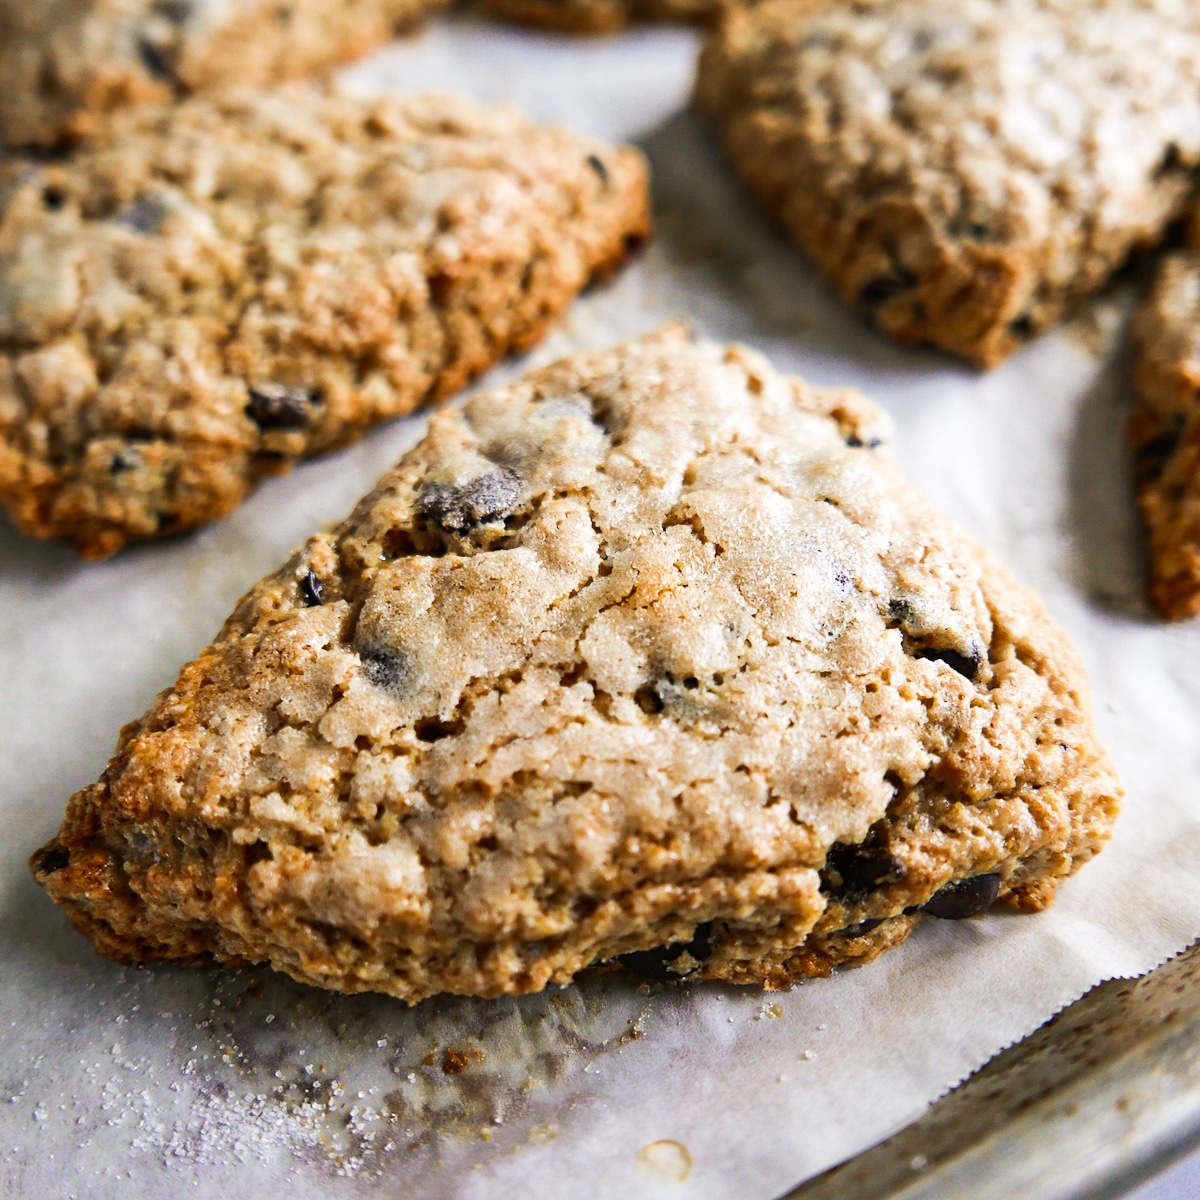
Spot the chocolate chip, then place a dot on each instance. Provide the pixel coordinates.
(156, 62)
(312, 591)
(494, 494)
(276, 406)
(124, 460)
(54, 198)
(883, 288)
(53, 858)
(145, 216)
(964, 665)
(1022, 327)
(1151, 457)
(1171, 160)
(964, 898)
(655, 965)
(386, 668)
(859, 869)
(599, 167)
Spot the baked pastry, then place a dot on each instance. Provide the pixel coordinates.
(962, 171)
(600, 16)
(205, 292)
(654, 648)
(66, 63)
(1164, 431)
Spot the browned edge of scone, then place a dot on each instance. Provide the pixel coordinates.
(980, 293)
(208, 480)
(1164, 434)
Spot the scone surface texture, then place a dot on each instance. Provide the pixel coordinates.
(961, 171)
(600, 16)
(653, 648)
(67, 64)
(206, 292)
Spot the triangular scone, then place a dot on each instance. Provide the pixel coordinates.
(1164, 431)
(654, 648)
(65, 64)
(205, 292)
(962, 171)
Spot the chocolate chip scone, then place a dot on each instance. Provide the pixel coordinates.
(1164, 431)
(204, 293)
(962, 171)
(66, 63)
(600, 16)
(655, 648)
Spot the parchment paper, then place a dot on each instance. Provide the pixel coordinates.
(118, 1082)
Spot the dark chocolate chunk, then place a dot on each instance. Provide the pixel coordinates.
(53, 858)
(145, 215)
(860, 869)
(598, 166)
(125, 460)
(883, 288)
(386, 668)
(276, 406)
(1022, 327)
(157, 63)
(1172, 160)
(312, 591)
(967, 666)
(1151, 457)
(964, 898)
(655, 965)
(486, 498)
(54, 198)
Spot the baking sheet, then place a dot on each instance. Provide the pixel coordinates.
(115, 1081)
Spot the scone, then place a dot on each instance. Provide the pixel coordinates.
(600, 16)
(66, 63)
(654, 648)
(1164, 431)
(962, 171)
(204, 293)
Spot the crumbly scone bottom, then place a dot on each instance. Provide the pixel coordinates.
(322, 791)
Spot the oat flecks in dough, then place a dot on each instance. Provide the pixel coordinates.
(1164, 432)
(685, 663)
(204, 293)
(66, 64)
(962, 171)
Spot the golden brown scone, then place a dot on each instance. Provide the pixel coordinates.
(65, 64)
(600, 16)
(655, 648)
(205, 292)
(1164, 431)
(962, 171)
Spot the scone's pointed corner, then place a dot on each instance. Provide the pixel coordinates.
(652, 648)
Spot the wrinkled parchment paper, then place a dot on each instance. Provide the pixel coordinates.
(117, 1082)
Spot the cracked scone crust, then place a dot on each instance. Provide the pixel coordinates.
(207, 292)
(962, 171)
(655, 645)
(1164, 432)
(67, 63)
